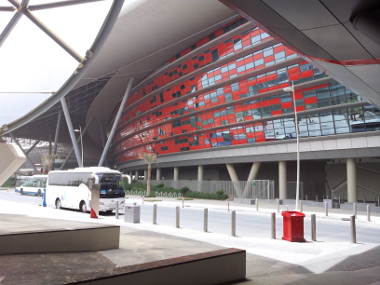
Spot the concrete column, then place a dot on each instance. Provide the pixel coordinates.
(252, 176)
(282, 179)
(234, 179)
(158, 174)
(351, 180)
(176, 173)
(200, 178)
(131, 175)
(136, 175)
(200, 172)
(145, 175)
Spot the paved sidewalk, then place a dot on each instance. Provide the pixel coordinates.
(268, 261)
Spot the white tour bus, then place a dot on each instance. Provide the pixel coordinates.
(31, 185)
(70, 188)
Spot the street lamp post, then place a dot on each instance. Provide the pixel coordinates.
(81, 142)
(291, 89)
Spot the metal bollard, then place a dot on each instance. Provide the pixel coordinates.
(353, 229)
(278, 205)
(117, 210)
(339, 199)
(183, 203)
(228, 206)
(313, 227)
(273, 226)
(354, 209)
(316, 198)
(143, 198)
(326, 209)
(233, 223)
(177, 217)
(205, 220)
(287, 207)
(368, 213)
(155, 214)
(306, 198)
(257, 204)
(301, 207)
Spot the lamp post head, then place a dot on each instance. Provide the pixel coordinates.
(288, 89)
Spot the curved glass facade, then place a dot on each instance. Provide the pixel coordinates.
(229, 91)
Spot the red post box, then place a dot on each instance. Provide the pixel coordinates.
(293, 226)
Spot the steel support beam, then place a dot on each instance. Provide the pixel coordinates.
(53, 36)
(85, 65)
(116, 121)
(27, 157)
(33, 146)
(78, 139)
(71, 131)
(57, 133)
(60, 4)
(15, 19)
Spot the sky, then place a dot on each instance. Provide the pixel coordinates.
(32, 65)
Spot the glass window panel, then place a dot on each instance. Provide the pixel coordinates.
(259, 62)
(279, 55)
(256, 39)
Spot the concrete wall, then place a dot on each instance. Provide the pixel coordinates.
(65, 240)
(367, 177)
(214, 267)
(11, 159)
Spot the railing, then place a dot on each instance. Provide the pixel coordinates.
(262, 189)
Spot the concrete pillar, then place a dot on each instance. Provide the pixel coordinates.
(200, 172)
(131, 175)
(234, 179)
(351, 180)
(200, 177)
(158, 174)
(252, 176)
(136, 175)
(176, 173)
(145, 175)
(282, 179)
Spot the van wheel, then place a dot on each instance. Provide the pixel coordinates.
(22, 191)
(58, 204)
(83, 207)
(39, 194)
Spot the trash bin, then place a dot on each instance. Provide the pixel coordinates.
(293, 226)
(132, 214)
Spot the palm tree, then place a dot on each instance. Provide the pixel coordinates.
(149, 158)
(47, 162)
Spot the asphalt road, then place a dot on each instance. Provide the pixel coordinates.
(248, 224)
(251, 224)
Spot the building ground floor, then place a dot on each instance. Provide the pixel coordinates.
(345, 167)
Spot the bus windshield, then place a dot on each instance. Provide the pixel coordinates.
(111, 185)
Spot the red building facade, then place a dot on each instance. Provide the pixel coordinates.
(227, 90)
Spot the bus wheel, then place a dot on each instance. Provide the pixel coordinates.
(22, 191)
(83, 207)
(58, 204)
(39, 193)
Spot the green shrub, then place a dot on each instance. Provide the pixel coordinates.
(202, 195)
(184, 190)
(10, 183)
